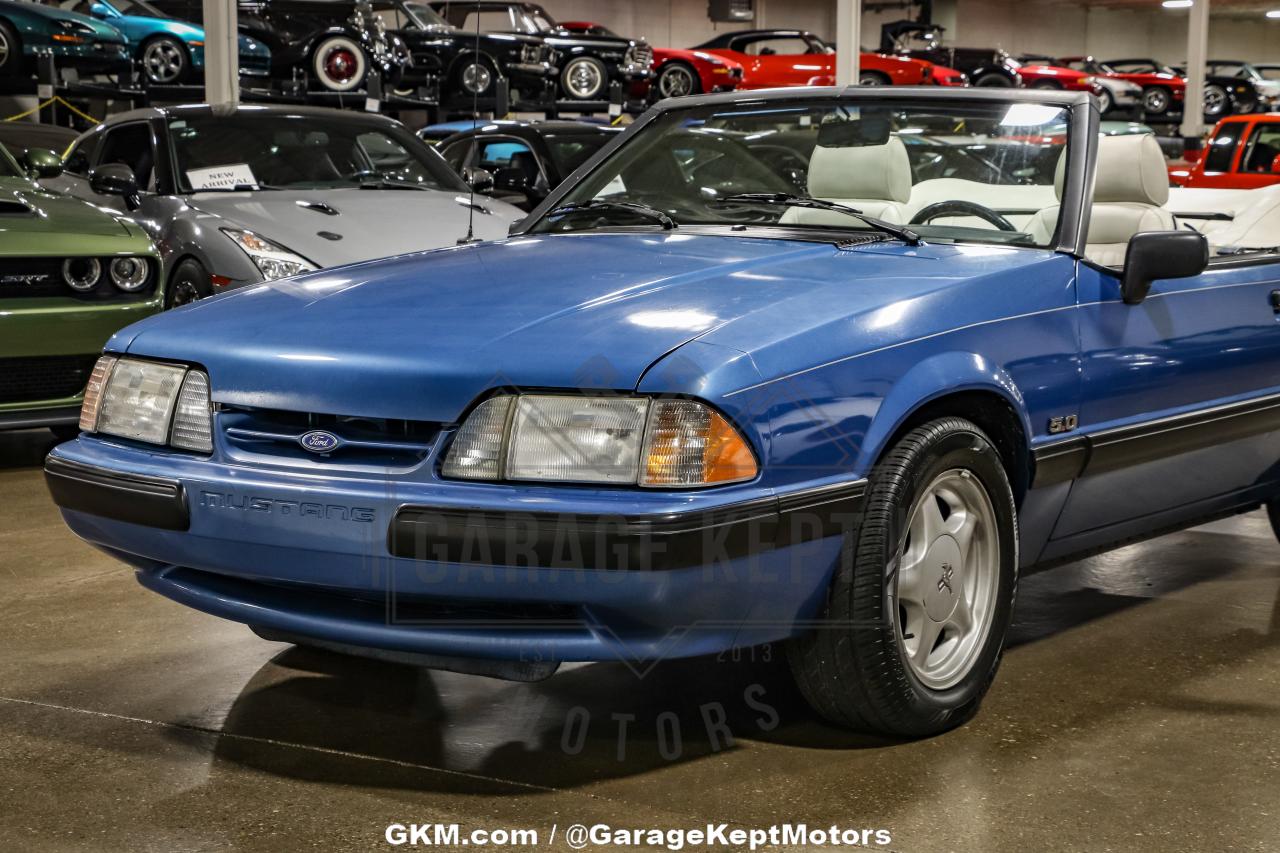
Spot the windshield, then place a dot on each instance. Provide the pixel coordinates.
(301, 152)
(424, 16)
(571, 150)
(952, 172)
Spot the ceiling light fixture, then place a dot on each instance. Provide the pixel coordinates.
(1178, 4)
(1274, 13)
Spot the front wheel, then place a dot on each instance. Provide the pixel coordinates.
(584, 78)
(1217, 102)
(1156, 100)
(994, 79)
(338, 64)
(476, 77)
(915, 619)
(873, 78)
(676, 80)
(1106, 103)
(189, 282)
(10, 51)
(165, 62)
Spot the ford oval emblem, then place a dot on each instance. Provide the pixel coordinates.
(319, 441)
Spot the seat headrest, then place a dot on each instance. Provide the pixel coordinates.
(1131, 169)
(880, 172)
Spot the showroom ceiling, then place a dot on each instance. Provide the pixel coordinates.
(1217, 7)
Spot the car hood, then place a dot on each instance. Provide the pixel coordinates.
(101, 31)
(420, 337)
(55, 222)
(332, 227)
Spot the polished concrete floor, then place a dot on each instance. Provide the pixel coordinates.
(1138, 709)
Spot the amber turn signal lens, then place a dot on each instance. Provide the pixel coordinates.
(690, 444)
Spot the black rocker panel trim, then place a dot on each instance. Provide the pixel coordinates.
(635, 543)
(135, 498)
(1112, 449)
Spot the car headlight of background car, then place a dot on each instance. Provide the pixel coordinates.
(129, 273)
(272, 260)
(149, 401)
(614, 440)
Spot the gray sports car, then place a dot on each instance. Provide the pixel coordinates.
(240, 195)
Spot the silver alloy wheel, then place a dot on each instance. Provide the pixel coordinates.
(1155, 101)
(476, 78)
(948, 579)
(164, 61)
(1215, 101)
(676, 81)
(583, 78)
(871, 80)
(1105, 102)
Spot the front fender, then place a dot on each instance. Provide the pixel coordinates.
(937, 376)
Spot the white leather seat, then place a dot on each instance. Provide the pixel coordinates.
(1129, 195)
(875, 179)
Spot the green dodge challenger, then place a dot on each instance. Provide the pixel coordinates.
(71, 274)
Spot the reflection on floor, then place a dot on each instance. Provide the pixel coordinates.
(1137, 709)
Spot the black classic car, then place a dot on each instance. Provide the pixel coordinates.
(464, 65)
(588, 63)
(525, 160)
(983, 66)
(338, 42)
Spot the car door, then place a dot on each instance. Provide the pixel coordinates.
(1180, 395)
(783, 60)
(1259, 161)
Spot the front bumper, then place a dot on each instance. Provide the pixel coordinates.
(460, 569)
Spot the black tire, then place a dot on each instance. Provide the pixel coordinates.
(1156, 100)
(677, 79)
(853, 669)
(1046, 84)
(1106, 103)
(189, 282)
(873, 78)
(10, 51)
(474, 76)
(165, 61)
(339, 64)
(1217, 103)
(994, 79)
(584, 78)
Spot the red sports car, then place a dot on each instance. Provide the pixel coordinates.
(1161, 88)
(677, 72)
(1036, 75)
(771, 58)
(1243, 154)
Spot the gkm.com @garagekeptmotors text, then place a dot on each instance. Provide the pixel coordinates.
(595, 836)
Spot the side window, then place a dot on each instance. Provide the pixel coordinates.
(791, 46)
(80, 157)
(392, 17)
(1264, 148)
(1222, 148)
(498, 21)
(131, 146)
(455, 154)
(504, 153)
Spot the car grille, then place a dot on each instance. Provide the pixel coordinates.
(32, 277)
(275, 435)
(50, 377)
(640, 54)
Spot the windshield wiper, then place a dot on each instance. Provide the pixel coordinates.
(390, 184)
(635, 207)
(906, 235)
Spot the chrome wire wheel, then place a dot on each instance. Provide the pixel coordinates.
(164, 61)
(676, 81)
(948, 579)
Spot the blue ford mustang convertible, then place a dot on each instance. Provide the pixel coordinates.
(759, 372)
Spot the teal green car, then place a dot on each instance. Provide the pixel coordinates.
(71, 275)
(75, 41)
(170, 51)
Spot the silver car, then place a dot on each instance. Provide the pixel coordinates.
(237, 195)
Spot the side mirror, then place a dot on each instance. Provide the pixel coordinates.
(1275, 164)
(480, 180)
(102, 10)
(42, 163)
(116, 179)
(1154, 255)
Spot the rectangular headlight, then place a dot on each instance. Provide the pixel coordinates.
(138, 400)
(572, 438)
